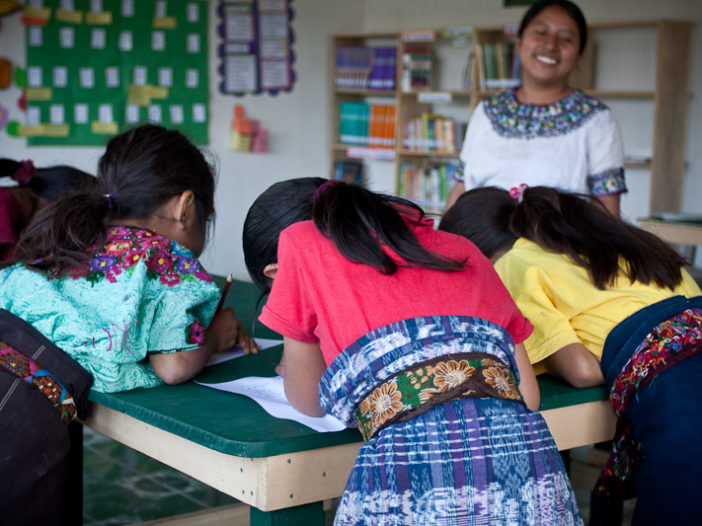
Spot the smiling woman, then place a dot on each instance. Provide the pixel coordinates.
(545, 132)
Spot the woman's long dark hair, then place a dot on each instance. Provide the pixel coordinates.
(569, 7)
(359, 222)
(576, 225)
(51, 182)
(140, 170)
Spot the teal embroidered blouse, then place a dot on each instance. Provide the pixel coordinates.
(141, 293)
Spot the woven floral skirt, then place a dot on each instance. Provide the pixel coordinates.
(472, 461)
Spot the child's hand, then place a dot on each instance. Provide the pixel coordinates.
(226, 331)
(246, 342)
(223, 332)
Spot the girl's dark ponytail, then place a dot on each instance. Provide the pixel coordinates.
(580, 227)
(361, 223)
(62, 232)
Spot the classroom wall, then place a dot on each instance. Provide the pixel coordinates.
(298, 122)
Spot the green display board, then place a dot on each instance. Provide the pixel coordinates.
(98, 67)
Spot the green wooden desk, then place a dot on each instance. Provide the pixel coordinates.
(283, 469)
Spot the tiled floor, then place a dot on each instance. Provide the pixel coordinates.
(124, 487)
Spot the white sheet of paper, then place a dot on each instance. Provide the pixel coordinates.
(105, 113)
(87, 77)
(125, 41)
(193, 43)
(34, 76)
(235, 352)
(127, 8)
(199, 113)
(192, 77)
(193, 11)
(161, 9)
(269, 393)
(177, 117)
(60, 76)
(33, 115)
(97, 38)
(35, 36)
(155, 114)
(80, 113)
(132, 114)
(158, 40)
(140, 75)
(112, 77)
(165, 77)
(66, 37)
(56, 114)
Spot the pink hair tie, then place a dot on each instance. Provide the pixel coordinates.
(323, 188)
(516, 192)
(25, 173)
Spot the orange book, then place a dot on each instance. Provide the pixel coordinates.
(389, 127)
(375, 129)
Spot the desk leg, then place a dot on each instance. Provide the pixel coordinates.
(306, 515)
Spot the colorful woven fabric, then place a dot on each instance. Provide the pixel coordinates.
(473, 375)
(138, 293)
(473, 461)
(666, 345)
(510, 118)
(30, 371)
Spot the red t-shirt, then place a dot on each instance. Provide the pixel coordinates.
(318, 295)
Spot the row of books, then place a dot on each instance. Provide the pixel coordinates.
(417, 66)
(362, 67)
(500, 65)
(369, 125)
(427, 184)
(433, 133)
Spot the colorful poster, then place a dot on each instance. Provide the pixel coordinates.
(97, 67)
(256, 49)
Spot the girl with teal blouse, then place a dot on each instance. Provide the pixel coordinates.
(107, 286)
(111, 275)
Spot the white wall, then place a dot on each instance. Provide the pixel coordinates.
(298, 121)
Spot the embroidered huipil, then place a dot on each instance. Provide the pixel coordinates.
(141, 293)
(572, 144)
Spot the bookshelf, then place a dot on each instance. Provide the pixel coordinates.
(458, 83)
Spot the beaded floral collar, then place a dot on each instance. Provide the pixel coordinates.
(510, 118)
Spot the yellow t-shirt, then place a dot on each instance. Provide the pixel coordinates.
(563, 304)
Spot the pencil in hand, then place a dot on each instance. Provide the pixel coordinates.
(225, 291)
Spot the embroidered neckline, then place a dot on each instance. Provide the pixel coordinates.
(510, 118)
(124, 247)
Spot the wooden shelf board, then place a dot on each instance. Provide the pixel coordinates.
(415, 153)
(366, 92)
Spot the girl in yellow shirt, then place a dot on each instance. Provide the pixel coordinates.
(599, 289)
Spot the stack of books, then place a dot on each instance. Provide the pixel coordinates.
(368, 125)
(426, 183)
(433, 133)
(362, 67)
(417, 67)
(500, 65)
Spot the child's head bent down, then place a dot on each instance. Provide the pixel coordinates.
(148, 177)
(358, 221)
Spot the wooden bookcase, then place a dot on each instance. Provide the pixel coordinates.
(668, 96)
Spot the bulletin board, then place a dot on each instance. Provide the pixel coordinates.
(256, 54)
(98, 67)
